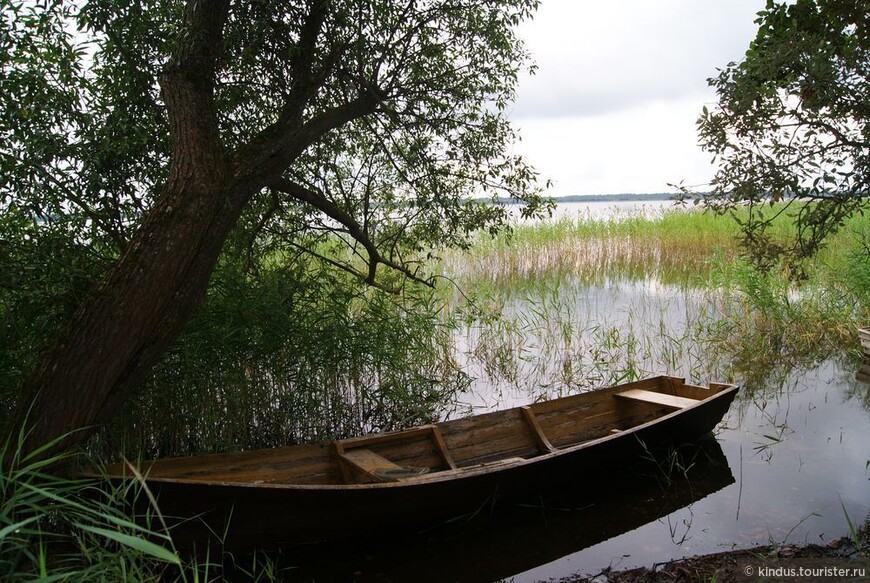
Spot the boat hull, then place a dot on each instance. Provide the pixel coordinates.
(251, 516)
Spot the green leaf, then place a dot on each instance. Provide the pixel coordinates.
(136, 543)
(13, 527)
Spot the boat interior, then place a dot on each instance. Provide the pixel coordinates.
(439, 450)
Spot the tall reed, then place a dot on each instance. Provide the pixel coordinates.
(299, 353)
(54, 528)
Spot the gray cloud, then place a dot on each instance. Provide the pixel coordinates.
(599, 57)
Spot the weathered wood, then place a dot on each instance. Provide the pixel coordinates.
(367, 462)
(429, 432)
(581, 423)
(328, 490)
(485, 437)
(385, 437)
(658, 398)
(538, 433)
(442, 447)
(864, 335)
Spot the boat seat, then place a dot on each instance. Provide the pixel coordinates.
(672, 401)
(378, 467)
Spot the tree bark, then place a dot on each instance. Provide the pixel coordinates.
(146, 298)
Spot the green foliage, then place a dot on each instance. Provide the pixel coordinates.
(856, 272)
(792, 122)
(83, 139)
(44, 275)
(298, 353)
(355, 131)
(77, 530)
(85, 133)
(62, 529)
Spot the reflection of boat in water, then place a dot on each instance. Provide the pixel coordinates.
(513, 538)
(863, 373)
(421, 476)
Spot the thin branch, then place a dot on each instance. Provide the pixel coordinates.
(354, 229)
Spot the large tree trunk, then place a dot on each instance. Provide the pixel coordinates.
(143, 302)
(136, 312)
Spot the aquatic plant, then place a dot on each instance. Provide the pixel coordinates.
(576, 304)
(299, 353)
(54, 528)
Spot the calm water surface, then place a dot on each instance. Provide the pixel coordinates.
(608, 210)
(789, 462)
(798, 455)
(797, 442)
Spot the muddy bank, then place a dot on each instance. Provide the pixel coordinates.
(840, 560)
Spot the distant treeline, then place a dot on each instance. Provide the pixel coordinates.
(627, 197)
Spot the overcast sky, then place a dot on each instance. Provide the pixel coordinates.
(620, 83)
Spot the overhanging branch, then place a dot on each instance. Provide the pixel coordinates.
(353, 228)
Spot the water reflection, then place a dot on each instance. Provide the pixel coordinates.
(796, 437)
(502, 540)
(799, 453)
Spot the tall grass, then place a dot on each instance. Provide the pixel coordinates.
(300, 353)
(54, 528)
(676, 246)
(673, 247)
(81, 530)
(577, 304)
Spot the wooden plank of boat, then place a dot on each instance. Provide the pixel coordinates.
(658, 398)
(543, 443)
(368, 462)
(427, 473)
(864, 335)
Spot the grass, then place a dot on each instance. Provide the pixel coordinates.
(289, 357)
(671, 246)
(59, 528)
(676, 246)
(54, 528)
(577, 304)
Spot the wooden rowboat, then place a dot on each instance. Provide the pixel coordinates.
(864, 334)
(495, 546)
(427, 474)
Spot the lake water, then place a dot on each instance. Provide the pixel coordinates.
(790, 462)
(798, 452)
(608, 209)
(796, 441)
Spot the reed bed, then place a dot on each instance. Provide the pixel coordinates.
(576, 304)
(299, 354)
(679, 245)
(673, 247)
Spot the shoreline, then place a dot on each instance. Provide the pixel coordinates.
(839, 560)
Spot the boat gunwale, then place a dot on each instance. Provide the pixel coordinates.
(441, 476)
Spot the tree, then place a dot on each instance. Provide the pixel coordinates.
(151, 133)
(791, 124)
